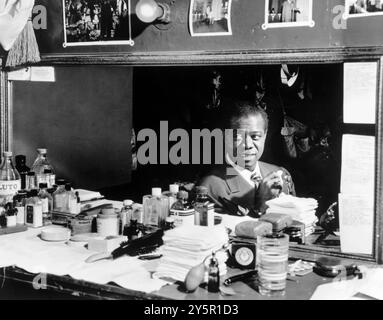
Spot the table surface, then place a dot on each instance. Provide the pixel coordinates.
(300, 288)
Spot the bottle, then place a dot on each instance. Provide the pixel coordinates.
(19, 203)
(49, 177)
(30, 182)
(34, 210)
(204, 209)
(11, 215)
(71, 200)
(41, 163)
(132, 231)
(59, 196)
(126, 215)
(172, 194)
(22, 169)
(10, 181)
(156, 208)
(47, 203)
(182, 211)
(213, 275)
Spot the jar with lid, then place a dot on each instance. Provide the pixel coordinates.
(34, 210)
(59, 196)
(107, 222)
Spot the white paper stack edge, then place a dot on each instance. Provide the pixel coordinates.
(300, 209)
(187, 246)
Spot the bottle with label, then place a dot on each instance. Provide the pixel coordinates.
(34, 210)
(41, 163)
(204, 209)
(22, 169)
(73, 205)
(156, 208)
(10, 181)
(172, 194)
(59, 196)
(11, 215)
(47, 203)
(19, 201)
(213, 275)
(49, 177)
(126, 215)
(182, 211)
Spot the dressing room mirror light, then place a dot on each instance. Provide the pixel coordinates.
(149, 11)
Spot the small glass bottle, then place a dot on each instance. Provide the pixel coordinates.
(213, 275)
(72, 200)
(10, 181)
(59, 196)
(126, 215)
(47, 203)
(156, 208)
(34, 210)
(201, 207)
(19, 201)
(182, 211)
(30, 183)
(49, 177)
(22, 169)
(41, 163)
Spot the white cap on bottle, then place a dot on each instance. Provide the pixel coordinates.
(128, 202)
(8, 153)
(156, 192)
(42, 150)
(174, 188)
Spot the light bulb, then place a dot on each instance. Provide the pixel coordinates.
(148, 10)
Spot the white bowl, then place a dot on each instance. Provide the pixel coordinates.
(53, 233)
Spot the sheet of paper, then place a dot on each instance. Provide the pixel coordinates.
(43, 74)
(358, 164)
(356, 223)
(359, 102)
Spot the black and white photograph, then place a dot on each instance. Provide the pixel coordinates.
(210, 18)
(288, 13)
(188, 176)
(363, 8)
(95, 22)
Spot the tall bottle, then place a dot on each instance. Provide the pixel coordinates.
(72, 200)
(47, 203)
(213, 275)
(10, 181)
(156, 208)
(126, 215)
(41, 163)
(59, 196)
(22, 169)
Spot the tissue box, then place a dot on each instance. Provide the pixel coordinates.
(107, 244)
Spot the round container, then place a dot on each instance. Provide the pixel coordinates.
(55, 233)
(11, 221)
(107, 223)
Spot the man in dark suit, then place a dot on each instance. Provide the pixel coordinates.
(244, 180)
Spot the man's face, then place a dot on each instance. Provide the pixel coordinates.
(249, 141)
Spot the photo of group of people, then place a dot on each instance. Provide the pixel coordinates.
(288, 13)
(96, 20)
(363, 7)
(210, 17)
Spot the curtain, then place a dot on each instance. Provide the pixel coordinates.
(14, 15)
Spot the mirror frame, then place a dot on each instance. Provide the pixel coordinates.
(252, 57)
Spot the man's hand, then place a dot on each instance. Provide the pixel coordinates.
(270, 187)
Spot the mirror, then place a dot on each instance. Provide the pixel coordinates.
(187, 97)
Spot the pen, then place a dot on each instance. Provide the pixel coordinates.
(239, 277)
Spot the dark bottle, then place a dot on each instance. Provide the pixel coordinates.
(132, 231)
(213, 280)
(22, 168)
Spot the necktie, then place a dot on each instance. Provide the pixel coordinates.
(256, 178)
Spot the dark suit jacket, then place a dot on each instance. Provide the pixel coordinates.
(236, 189)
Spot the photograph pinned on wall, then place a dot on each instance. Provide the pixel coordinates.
(362, 8)
(210, 18)
(288, 13)
(97, 22)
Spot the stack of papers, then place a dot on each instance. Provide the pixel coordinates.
(186, 247)
(87, 195)
(300, 209)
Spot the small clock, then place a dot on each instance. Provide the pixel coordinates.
(244, 255)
